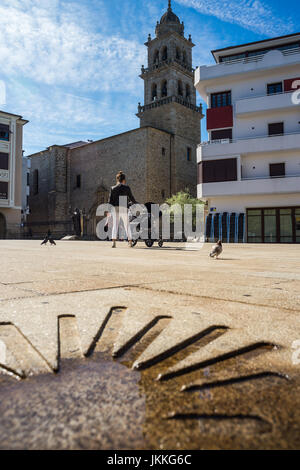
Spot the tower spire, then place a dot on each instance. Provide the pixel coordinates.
(169, 7)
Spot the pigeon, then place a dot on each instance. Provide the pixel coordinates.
(48, 238)
(217, 250)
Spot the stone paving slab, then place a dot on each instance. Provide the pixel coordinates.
(224, 330)
(232, 290)
(8, 292)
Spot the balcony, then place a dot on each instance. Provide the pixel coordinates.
(264, 104)
(250, 65)
(168, 100)
(261, 144)
(287, 184)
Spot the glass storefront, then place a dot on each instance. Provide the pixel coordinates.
(274, 225)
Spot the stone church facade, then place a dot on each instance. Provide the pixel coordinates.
(159, 158)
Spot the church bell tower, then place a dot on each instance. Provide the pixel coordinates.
(170, 97)
(169, 92)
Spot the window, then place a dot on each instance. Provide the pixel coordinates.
(258, 52)
(3, 161)
(189, 154)
(221, 134)
(3, 190)
(254, 219)
(218, 100)
(184, 57)
(27, 182)
(286, 226)
(78, 181)
(277, 170)
(276, 128)
(35, 182)
(270, 226)
(178, 55)
(163, 194)
(232, 57)
(216, 171)
(163, 151)
(4, 132)
(274, 88)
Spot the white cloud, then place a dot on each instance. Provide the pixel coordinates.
(253, 15)
(65, 73)
(43, 41)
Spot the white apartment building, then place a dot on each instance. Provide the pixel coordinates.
(11, 141)
(249, 170)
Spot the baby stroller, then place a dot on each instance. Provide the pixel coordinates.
(146, 237)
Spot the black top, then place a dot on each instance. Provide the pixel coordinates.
(120, 190)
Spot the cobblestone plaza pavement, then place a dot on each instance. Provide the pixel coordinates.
(149, 348)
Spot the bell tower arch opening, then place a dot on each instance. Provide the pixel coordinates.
(164, 88)
(154, 92)
(180, 88)
(156, 57)
(170, 98)
(164, 53)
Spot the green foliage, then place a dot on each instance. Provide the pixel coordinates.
(182, 198)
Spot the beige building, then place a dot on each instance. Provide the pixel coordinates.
(11, 140)
(159, 158)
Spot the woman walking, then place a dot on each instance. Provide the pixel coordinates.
(121, 210)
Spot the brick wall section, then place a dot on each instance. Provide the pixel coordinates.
(99, 162)
(186, 171)
(159, 166)
(184, 124)
(151, 175)
(61, 208)
(174, 118)
(38, 203)
(49, 208)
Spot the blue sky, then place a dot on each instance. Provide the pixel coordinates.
(71, 66)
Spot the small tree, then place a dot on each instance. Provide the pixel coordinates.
(182, 198)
